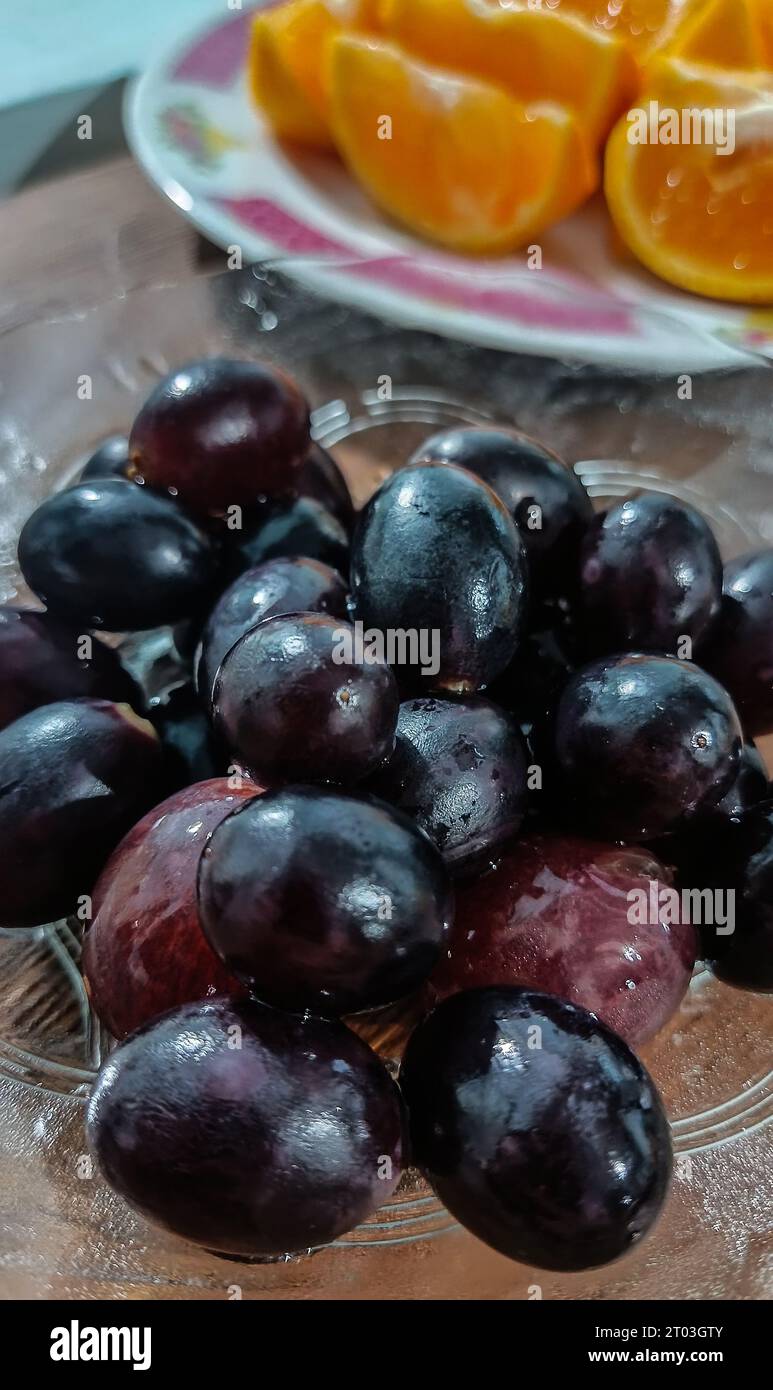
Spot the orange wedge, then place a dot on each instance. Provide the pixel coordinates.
(722, 33)
(287, 63)
(699, 218)
(282, 45)
(455, 159)
(762, 14)
(640, 24)
(534, 54)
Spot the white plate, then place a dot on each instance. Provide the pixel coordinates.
(192, 127)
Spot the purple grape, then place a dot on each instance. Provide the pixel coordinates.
(459, 770)
(547, 500)
(192, 753)
(744, 957)
(436, 552)
(42, 660)
(74, 776)
(740, 651)
(547, 656)
(323, 901)
(537, 1126)
(247, 1130)
(109, 460)
(642, 742)
(113, 555)
(301, 526)
(651, 575)
(284, 585)
(321, 478)
(290, 709)
(710, 838)
(220, 433)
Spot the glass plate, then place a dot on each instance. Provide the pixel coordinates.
(376, 390)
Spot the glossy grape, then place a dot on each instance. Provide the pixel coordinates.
(192, 753)
(145, 951)
(285, 585)
(642, 742)
(538, 1128)
(459, 769)
(321, 478)
(744, 957)
(42, 660)
(109, 460)
(301, 526)
(292, 704)
(651, 576)
(436, 551)
(220, 433)
(247, 1130)
(546, 657)
(748, 788)
(740, 651)
(546, 499)
(710, 839)
(574, 918)
(324, 901)
(74, 775)
(113, 555)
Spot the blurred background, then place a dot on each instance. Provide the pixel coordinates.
(78, 220)
(64, 58)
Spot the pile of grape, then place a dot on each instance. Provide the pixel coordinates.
(432, 753)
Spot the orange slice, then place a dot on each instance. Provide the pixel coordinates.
(762, 14)
(722, 33)
(455, 159)
(282, 40)
(535, 54)
(287, 63)
(697, 217)
(640, 24)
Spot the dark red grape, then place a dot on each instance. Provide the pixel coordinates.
(300, 526)
(459, 770)
(574, 918)
(109, 460)
(537, 1126)
(42, 660)
(642, 742)
(294, 706)
(436, 552)
(247, 1130)
(321, 478)
(192, 753)
(744, 956)
(324, 901)
(221, 433)
(548, 502)
(285, 585)
(740, 651)
(114, 555)
(651, 575)
(145, 951)
(74, 776)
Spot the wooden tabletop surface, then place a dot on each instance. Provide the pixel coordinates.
(70, 242)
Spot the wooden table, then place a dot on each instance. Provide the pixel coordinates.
(75, 240)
